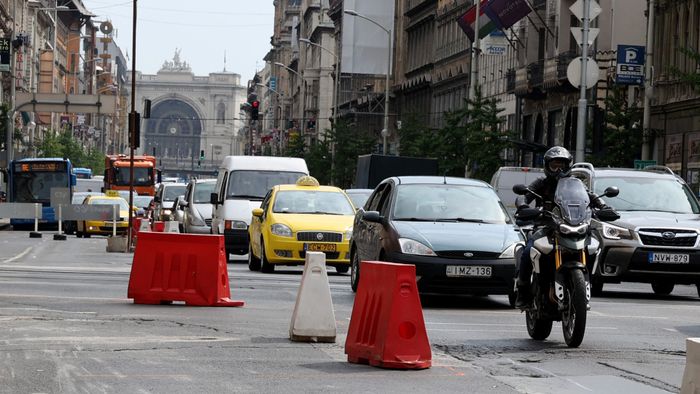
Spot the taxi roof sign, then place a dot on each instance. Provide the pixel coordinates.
(307, 180)
(112, 193)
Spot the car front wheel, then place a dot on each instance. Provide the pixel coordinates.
(662, 288)
(265, 265)
(253, 262)
(354, 271)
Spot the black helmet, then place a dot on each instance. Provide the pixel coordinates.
(557, 162)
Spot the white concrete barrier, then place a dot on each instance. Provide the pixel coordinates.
(691, 375)
(313, 319)
(172, 227)
(145, 225)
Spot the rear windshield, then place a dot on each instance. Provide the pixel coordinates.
(254, 185)
(648, 194)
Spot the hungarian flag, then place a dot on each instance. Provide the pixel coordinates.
(486, 24)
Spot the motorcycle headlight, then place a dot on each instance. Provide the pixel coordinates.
(409, 246)
(281, 229)
(166, 212)
(348, 233)
(615, 232)
(509, 252)
(566, 229)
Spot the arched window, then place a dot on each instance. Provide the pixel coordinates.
(221, 113)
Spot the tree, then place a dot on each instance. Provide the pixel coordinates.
(622, 140)
(350, 142)
(417, 139)
(692, 78)
(65, 145)
(472, 139)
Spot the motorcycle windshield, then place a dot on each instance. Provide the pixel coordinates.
(572, 199)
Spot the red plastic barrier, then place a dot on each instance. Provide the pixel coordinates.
(180, 267)
(158, 227)
(135, 226)
(387, 328)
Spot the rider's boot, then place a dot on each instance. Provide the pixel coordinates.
(523, 297)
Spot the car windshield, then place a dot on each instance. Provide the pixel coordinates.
(255, 184)
(143, 176)
(359, 198)
(441, 202)
(142, 201)
(123, 206)
(202, 192)
(171, 192)
(311, 201)
(648, 194)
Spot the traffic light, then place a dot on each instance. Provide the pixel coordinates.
(255, 106)
(201, 154)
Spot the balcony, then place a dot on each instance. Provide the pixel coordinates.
(563, 61)
(551, 77)
(521, 82)
(535, 73)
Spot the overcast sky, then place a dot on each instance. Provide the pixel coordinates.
(202, 30)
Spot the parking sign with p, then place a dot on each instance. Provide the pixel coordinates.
(630, 65)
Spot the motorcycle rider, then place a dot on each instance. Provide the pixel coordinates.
(557, 165)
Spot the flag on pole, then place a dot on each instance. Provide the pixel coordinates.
(467, 21)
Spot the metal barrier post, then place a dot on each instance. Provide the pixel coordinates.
(114, 220)
(37, 214)
(60, 236)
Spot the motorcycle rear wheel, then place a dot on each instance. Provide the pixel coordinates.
(573, 320)
(538, 329)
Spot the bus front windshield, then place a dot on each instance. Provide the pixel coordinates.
(36, 187)
(142, 176)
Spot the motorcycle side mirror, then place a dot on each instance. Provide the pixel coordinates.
(527, 214)
(520, 189)
(611, 191)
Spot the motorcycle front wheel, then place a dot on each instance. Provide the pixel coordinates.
(573, 319)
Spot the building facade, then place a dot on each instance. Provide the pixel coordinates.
(190, 115)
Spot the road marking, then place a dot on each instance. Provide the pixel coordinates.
(671, 329)
(601, 314)
(53, 297)
(46, 310)
(19, 256)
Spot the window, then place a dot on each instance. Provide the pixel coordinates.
(221, 113)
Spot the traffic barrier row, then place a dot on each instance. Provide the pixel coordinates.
(171, 267)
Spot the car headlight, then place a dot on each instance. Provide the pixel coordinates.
(409, 246)
(615, 232)
(166, 212)
(348, 233)
(509, 252)
(281, 229)
(580, 229)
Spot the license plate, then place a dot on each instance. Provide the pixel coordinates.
(670, 258)
(468, 270)
(320, 247)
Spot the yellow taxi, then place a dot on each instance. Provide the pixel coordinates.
(294, 219)
(104, 227)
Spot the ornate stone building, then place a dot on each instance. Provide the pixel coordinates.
(675, 115)
(189, 115)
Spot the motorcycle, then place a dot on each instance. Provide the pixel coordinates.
(563, 248)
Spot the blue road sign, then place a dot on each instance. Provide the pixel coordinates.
(630, 65)
(273, 83)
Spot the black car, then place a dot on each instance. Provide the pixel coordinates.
(455, 231)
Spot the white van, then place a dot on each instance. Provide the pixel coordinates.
(504, 179)
(241, 185)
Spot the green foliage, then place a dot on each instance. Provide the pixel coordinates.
(65, 145)
(692, 78)
(349, 142)
(318, 158)
(295, 146)
(470, 138)
(623, 143)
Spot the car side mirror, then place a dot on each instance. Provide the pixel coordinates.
(184, 203)
(213, 199)
(258, 212)
(611, 191)
(520, 189)
(372, 216)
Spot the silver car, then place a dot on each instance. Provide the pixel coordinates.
(164, 200)
(657, 238)
(193, 209)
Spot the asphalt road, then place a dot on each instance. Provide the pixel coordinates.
(67, 326)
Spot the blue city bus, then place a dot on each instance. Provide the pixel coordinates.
(31, 181)
(82, 173)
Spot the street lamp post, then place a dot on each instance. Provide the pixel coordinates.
(280, 97)
(385, 131)
(303, 104)
(337, 74)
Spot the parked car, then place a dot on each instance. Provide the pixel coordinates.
(359, 196)
(195, 206)
(164, 200)
(656, 239)
(294, 219)
(454, 230)
(87, 228)
(142, 204)
(505, 178)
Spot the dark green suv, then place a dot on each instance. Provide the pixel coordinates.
(656, 238)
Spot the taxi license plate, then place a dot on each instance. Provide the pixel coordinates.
(468, 271)
(319, 247)
(669, 258)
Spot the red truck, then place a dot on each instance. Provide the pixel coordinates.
(117, 174)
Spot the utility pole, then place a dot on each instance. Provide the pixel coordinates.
(9, 125)
(648, 82)
(582, 102)
(474, 74)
